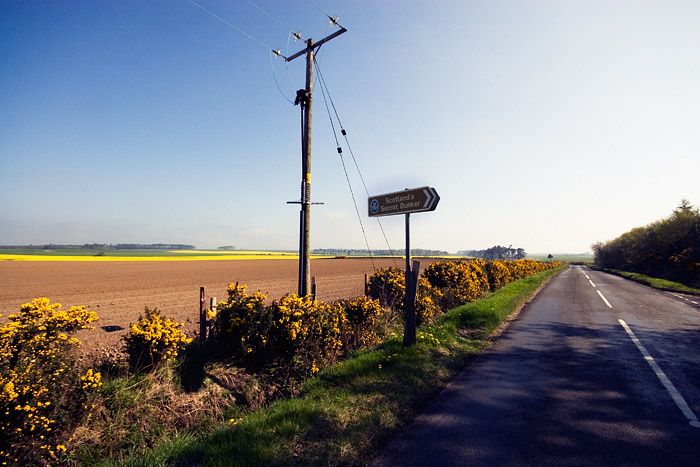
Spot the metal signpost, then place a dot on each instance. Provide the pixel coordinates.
(405, 202)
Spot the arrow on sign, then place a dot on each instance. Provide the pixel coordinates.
(428, 197)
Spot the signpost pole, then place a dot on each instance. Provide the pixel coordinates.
(409, 332)
(405, 202)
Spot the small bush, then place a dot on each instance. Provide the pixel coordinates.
(237, 315)
(304, 332)
(458, 281)
(295, 336)
(498, 274)
(363, 314)
(389, 287)
(154, 338)
(42, 387)
(427, 302)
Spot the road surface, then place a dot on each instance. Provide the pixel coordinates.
(597, 370)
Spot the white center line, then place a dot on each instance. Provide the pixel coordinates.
(591, 283)
(604, 299)
(673, 392)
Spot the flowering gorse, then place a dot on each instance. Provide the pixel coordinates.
(446, 284)
(362, 314)
(40, 379)
(154, 338)
(297, 334)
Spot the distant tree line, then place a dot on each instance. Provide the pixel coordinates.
(495, 252)
(102, 246)
(351, 252)
(669, 248)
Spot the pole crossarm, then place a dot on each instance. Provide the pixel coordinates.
(314, 45)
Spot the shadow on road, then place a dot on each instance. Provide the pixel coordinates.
(559, 394)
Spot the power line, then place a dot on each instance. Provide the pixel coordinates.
(347, 177)
(352, 154)
(331, 18)
(234, 27)
(296, 34)
(274, 77)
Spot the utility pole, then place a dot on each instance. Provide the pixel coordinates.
(304, 100)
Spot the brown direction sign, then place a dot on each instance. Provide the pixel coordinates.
(403, 202)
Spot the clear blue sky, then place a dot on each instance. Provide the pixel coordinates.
(543, 124)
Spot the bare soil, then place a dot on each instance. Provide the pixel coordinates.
(119, 291)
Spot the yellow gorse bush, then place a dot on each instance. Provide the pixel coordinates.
(39, 379)
(498, 273)
(237, 314)
(306, 332)
(388, 286)
(459, 281)
(154, 338)
(296, 333)
(362, 314)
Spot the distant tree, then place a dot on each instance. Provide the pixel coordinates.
(496, 252)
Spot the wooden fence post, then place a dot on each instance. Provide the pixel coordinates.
(366, 286)
(313, 287)
(202, 317)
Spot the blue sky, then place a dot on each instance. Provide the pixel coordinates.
(547, 125)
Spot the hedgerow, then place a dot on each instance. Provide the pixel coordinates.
(446, 284)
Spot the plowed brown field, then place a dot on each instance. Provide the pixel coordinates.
(118, 291)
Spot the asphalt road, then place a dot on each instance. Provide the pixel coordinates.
(567, 384)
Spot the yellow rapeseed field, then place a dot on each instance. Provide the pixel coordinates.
(180, 256)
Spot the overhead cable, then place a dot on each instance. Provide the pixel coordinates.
(274, 77)
(235, 28)
(352, 154)
(332, 19)
(347, 176)
(296, 34)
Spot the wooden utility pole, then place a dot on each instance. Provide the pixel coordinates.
(304, 99)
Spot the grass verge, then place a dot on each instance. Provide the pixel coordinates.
(345, 413)
(654, 282)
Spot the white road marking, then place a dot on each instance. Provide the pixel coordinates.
(673, 392)
(591, 283)
(684, 298)
(604, 299)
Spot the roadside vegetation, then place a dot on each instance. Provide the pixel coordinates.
(654, 282)
(283, 381)
(667, 249)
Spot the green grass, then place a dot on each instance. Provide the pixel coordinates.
(345, 414)
(655, 282)
(565, 257)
